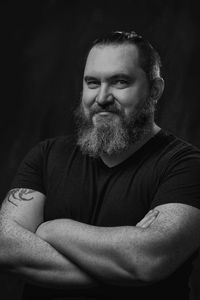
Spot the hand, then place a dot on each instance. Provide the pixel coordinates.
(148, 219)
(43, 230)
(48, 230)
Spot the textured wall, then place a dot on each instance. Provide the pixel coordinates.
(46, 40)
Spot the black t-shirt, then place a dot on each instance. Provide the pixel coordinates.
(166, 169)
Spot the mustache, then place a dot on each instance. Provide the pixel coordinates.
(112, 109)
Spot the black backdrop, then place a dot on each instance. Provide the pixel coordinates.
(45, 43)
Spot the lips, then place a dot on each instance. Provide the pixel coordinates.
(105, 112)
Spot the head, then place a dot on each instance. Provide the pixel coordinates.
(121, 85)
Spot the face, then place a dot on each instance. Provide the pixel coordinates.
(113, 79)
(113, 113)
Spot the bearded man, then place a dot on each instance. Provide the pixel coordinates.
(112, 213)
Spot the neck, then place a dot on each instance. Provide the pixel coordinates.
(113, 160)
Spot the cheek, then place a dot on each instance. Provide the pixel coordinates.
(128, 99)
(84, 110)
(131, 100)
(88, 96)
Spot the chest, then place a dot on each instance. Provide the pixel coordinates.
(89, 193)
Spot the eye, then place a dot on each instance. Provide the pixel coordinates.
(92, 83)
(121, 83)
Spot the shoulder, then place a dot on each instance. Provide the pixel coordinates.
(58, 142)
(41, 150)
(178, 173)
(56, 146)
(175, 151)
(43, 159)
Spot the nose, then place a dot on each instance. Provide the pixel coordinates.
(104, 96)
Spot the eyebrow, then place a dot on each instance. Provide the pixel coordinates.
(86, 78)
(121, 76)
(112, 77)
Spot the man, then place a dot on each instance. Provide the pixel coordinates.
(113, 213)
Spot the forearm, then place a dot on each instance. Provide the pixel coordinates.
(126, 254)
(24, 253)
(103, 252)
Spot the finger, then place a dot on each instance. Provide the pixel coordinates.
(149, 222)
(148, 219)
(146, 223)
(147, 216)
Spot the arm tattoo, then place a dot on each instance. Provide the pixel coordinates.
(20, 195)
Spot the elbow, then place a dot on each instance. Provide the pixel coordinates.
(142, 268)
(4, 255)
(154, 269)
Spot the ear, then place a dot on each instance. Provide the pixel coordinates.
(157, 89)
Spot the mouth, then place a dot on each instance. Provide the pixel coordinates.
(104, 116)
(105, 113)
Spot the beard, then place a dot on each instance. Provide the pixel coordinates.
(114, 133)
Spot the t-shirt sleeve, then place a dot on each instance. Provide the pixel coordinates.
(180, 181)
(30, 172)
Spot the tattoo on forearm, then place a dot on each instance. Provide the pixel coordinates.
(19, 194)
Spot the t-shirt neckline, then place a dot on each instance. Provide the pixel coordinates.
(149, 144)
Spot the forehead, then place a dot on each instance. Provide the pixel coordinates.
(113, 59)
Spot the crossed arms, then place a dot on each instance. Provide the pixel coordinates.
(67, 254)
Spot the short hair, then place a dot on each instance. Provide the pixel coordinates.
(150, 60)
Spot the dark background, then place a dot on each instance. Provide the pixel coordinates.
(45, 44)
